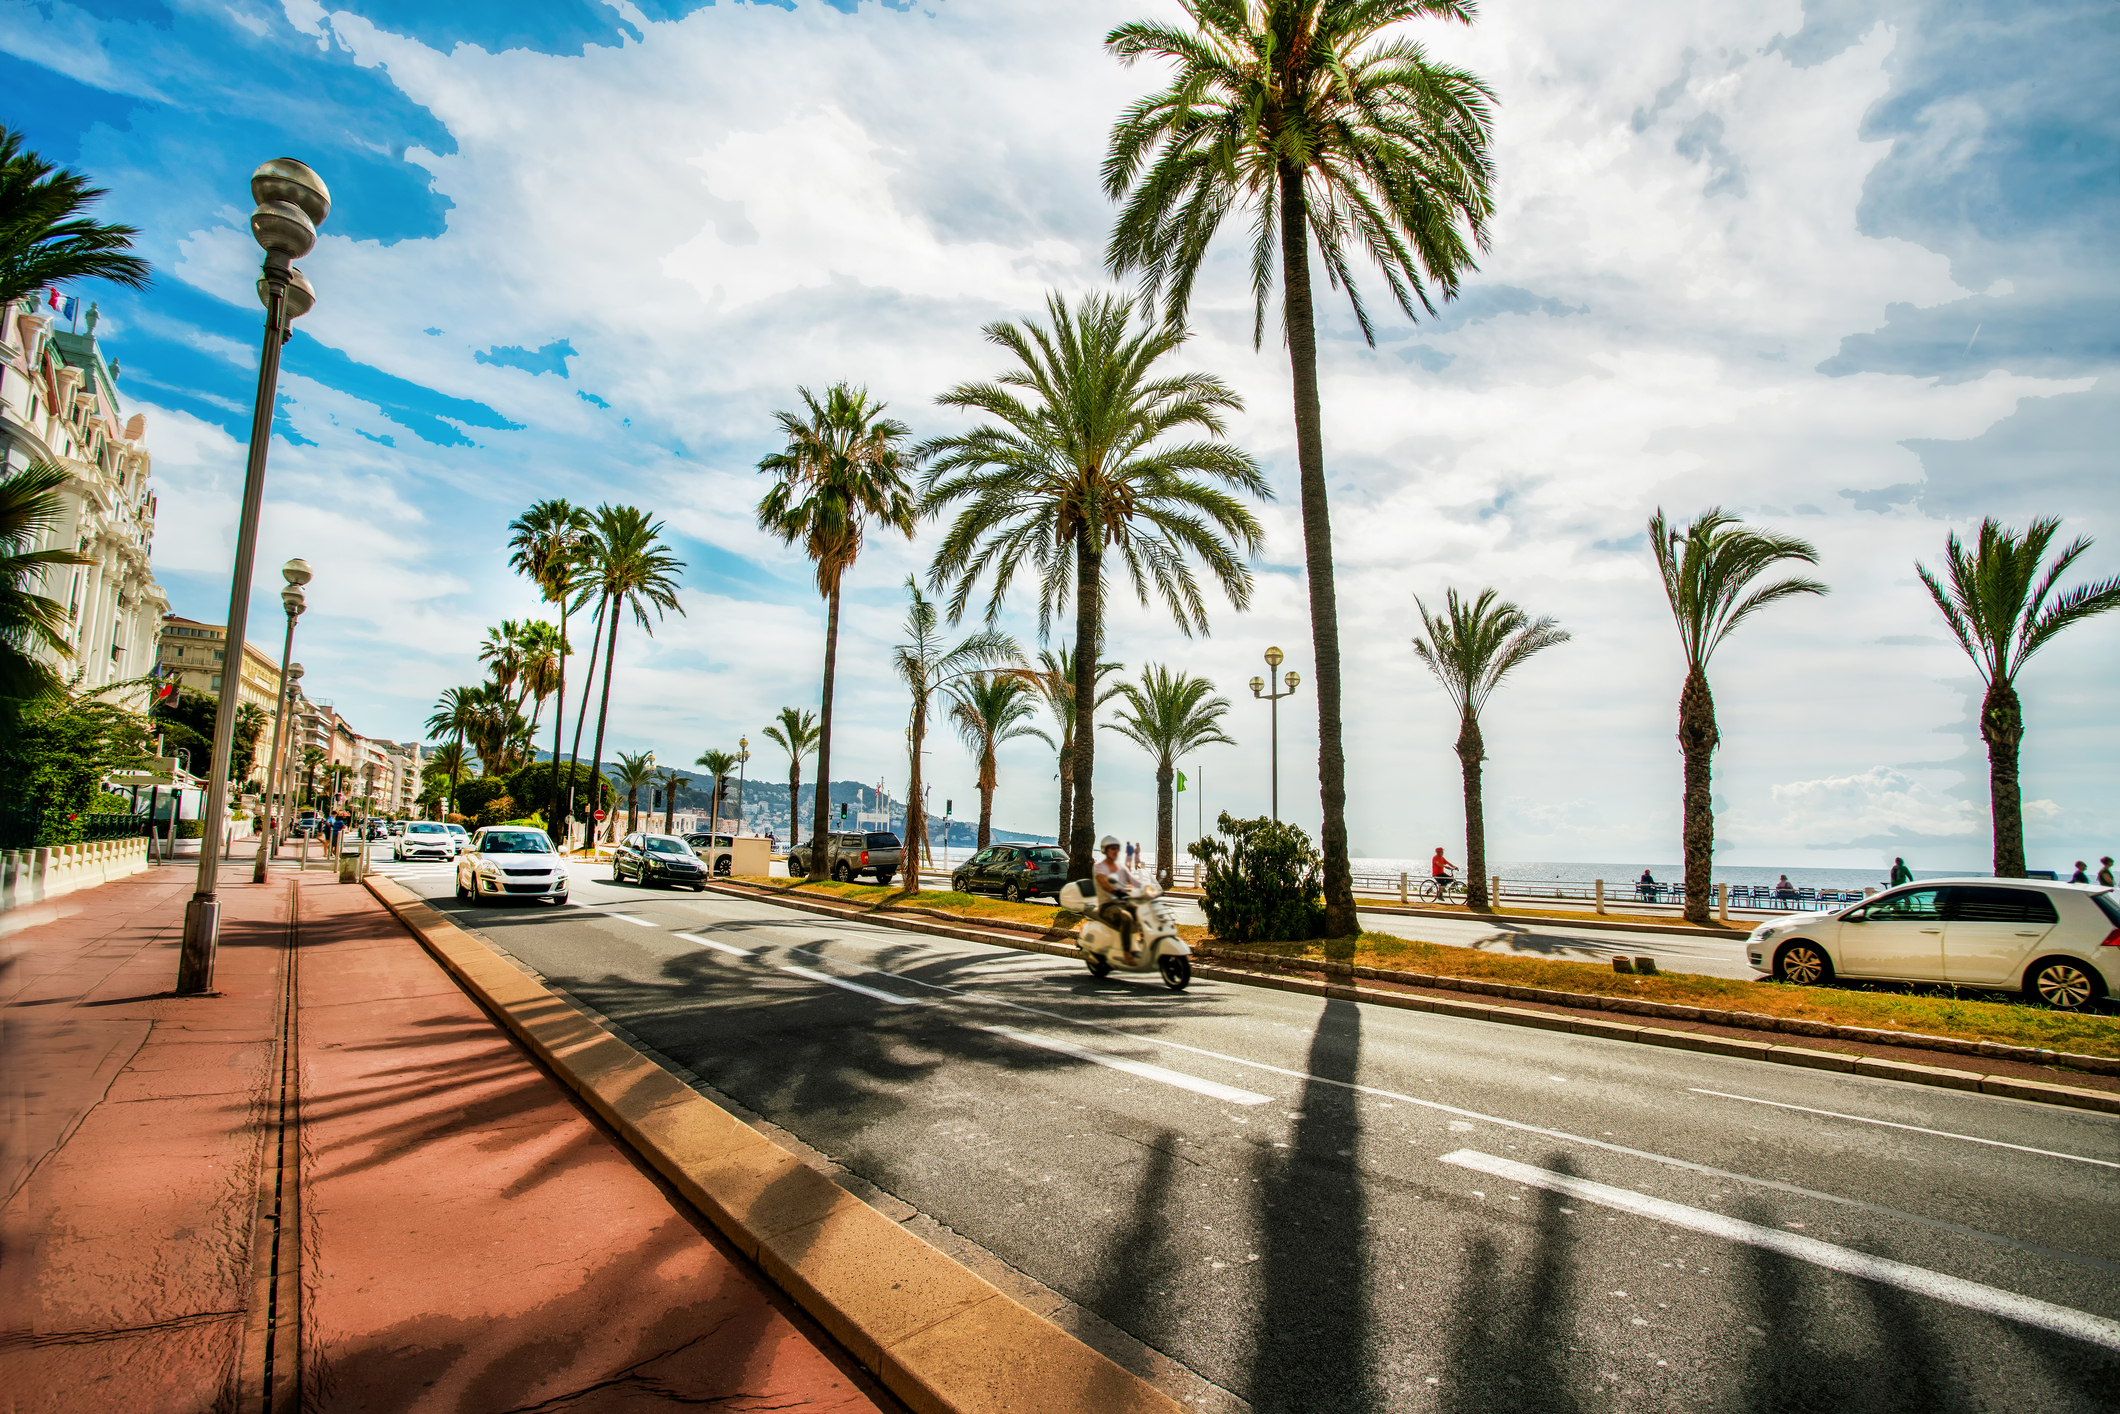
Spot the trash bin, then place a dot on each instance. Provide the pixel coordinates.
(353, 860)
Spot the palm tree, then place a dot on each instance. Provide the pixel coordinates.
(926, 666)
(45, 239)
(1079, 463)
(29, 507)
(635, 769)
(844, 467)
(1054, 681)
(545, 544)
(667, 780)
(718, 764)
(1708, 570)
(1169, 715)
(1996, 605)
(989, 709)
(1302, 113)
(315, 756)
(629, 567)
(795, 733)
(543, 652)
(502, 653)
(457, 711)
(1470, 647)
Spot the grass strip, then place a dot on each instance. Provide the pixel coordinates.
(1880, 1007)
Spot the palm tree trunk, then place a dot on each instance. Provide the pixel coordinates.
(1067, 784)
(456, 769)
(915, 816)
(1471, 751)
(2002, 728)
(714, 825)
(988, 779)
(821, 822)
(1166, 820)
(1082, 824)
(1697, 739)
(794, 802)
(1340, 920)
(581, 713)
(669, 807)
(603, 713)
(632, 808)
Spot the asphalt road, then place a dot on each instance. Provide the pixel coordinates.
(1319, 1205)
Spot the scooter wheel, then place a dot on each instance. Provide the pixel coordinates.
(1177, 972)
(1098, 967)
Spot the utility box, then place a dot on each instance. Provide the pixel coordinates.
(748, 854)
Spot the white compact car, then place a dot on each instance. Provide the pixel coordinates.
(424, 839)
(2057, 943)
(507, 863)
(462, 836)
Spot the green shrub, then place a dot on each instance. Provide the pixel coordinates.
(475, 794)
(191, 829)
(1260, 882)
(110, 803)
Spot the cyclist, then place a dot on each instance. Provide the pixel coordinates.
(1441, 873)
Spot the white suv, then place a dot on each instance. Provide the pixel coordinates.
(2057, 943)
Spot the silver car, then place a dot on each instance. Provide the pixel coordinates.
(510, 864)
(2056, 943)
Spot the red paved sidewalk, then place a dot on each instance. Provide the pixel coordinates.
(469, 1239)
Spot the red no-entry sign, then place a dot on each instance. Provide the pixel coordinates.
(599, 817)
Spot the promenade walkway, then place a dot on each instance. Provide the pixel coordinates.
(399, 1211)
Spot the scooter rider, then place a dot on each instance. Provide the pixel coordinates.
(1115, 887)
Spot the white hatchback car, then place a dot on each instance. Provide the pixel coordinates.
(424, 839)
(2057, 943)
(508, 863)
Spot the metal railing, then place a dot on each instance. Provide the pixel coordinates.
(1597, 895)
(27, 826)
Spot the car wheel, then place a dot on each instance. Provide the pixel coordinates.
(721, 867)
(462, 893)
(2062, 983)
(1098, 967)
(842, 874)
(1012, 891)
(884, 876)
(957, 884)
(1177, 972)
(618, 875)
(1803, 963)
(699, 888)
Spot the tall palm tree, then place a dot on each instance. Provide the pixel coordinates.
(667, 780)
(544, 651)
(456, 712)
(545, 545)
(1708, 570)
(1170, 715)
(718, 764)
(630, 569)
(989, 709)
(1324, 130)
(926, 665)
(1470, 647)
(581, 712)
(1054, 681)
(1079, 462)
(29, 507)
(45, 237)
(795, 733)
(315, 756)
(1996, 604)
(635, 769)
(843, 467)
(502, 653)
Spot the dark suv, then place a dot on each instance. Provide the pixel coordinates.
(657, 859)
(1014, 871)
(876, 852)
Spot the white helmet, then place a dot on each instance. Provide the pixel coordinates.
(1108, 842)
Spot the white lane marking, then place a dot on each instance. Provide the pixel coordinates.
(629, 918)
(876, 992)
(2062, 1320)
(718, 947)
(1229, 1094)
(1915, 1128)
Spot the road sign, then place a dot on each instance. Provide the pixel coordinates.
(599, 817)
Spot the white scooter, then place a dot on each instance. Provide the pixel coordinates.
(1161, 950)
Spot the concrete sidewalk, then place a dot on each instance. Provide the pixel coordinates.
(410, 1215)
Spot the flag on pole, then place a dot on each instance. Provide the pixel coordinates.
(1181, 782)
(65, 305)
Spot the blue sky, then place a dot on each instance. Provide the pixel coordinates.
(1850, 270)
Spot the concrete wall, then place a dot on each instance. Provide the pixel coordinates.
(32, 876)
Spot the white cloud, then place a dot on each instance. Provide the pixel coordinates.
(1874, 807)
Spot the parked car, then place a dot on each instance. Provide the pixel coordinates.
(463, 837)
(508, 862)
(715, 851)
(1014, 871)
(2056, 943)
(425, 839)
(850, 855)
(657, 859)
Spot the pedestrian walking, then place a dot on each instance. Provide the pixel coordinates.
(1900, 873)
(2105, 870)
(2079, 877)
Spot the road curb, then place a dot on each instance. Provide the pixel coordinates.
(939, 1337)
(2011, 1087)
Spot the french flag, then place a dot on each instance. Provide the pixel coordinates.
(66, 305)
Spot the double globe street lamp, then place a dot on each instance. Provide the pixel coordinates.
(296, 573)
(1273, 660)
(292, 202)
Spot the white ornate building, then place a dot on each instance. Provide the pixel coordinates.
(59, 403)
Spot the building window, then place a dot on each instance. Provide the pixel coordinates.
(216, 682)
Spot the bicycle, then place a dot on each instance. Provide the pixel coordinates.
(1443, 888)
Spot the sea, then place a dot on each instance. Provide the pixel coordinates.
(1666, 873)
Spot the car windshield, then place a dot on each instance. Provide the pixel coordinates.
(663, 844)
(514, 842)
(880, 841)
(428, 829)
(1049, 854)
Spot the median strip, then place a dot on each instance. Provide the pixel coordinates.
(941, 1338)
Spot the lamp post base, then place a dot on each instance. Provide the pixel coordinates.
(202, 933)
(266, 849)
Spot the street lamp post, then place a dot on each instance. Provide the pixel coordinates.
(743, 755)
(1273, 660)
(292, 202)
(296, 573)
